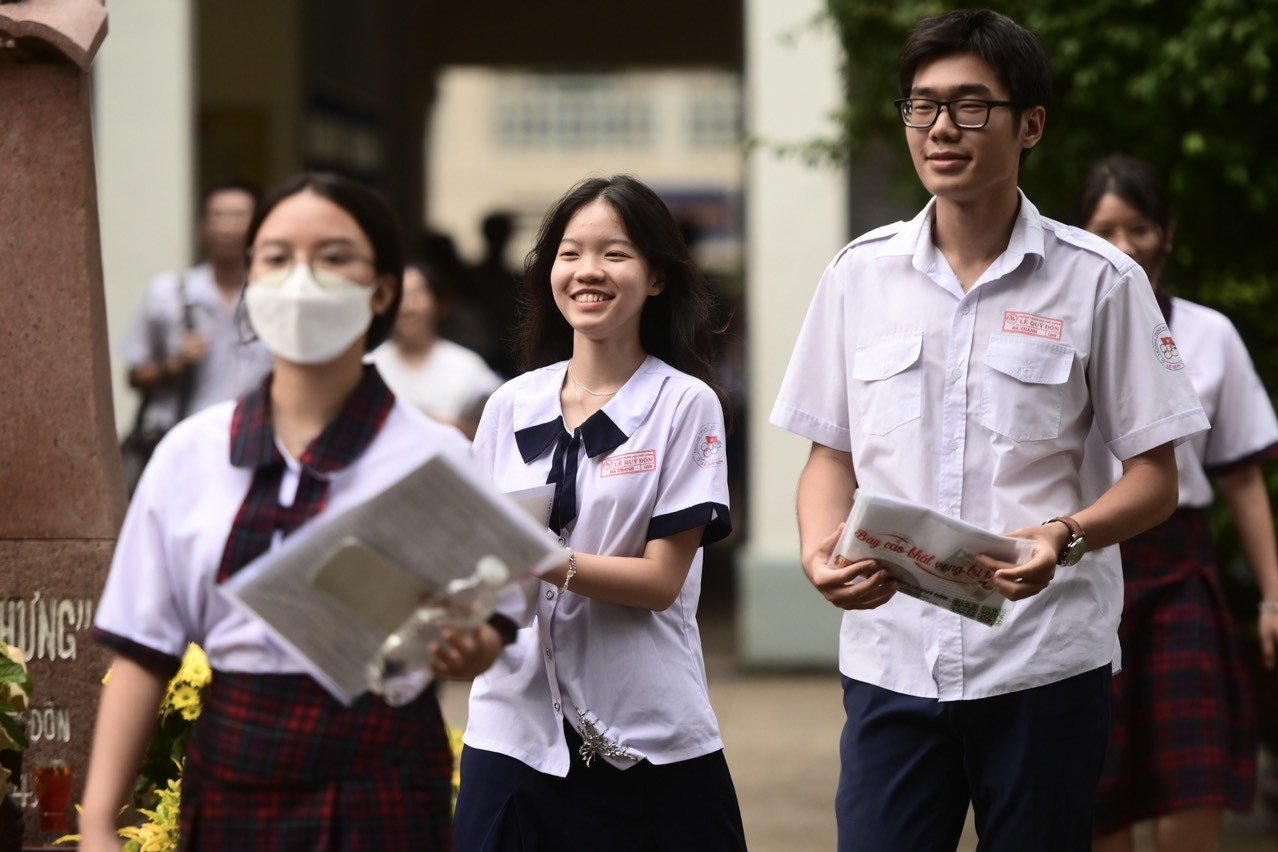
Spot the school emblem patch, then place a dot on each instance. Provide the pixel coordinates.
(709, 451)
(1165, 348)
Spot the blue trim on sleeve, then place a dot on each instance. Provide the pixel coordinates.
(715, 517)
(1259, 456)
(157, 662)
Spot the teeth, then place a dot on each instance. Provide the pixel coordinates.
(591, 297)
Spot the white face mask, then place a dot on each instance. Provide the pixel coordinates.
(307, 318)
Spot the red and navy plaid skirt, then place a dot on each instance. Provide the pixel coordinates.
(1183, 735)
(275, 763)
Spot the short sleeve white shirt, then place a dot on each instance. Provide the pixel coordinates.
(1243, 425)
(979, 404)
(162, 590)
(236, 361)
(451, 384)
(651, 464)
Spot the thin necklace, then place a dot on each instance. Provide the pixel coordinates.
(581, 387)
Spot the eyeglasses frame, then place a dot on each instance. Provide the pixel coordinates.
(947, 106)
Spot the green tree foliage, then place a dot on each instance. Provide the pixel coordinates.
(1189, 85)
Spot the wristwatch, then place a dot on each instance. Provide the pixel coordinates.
(1075, 546)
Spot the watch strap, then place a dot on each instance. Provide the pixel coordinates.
(1075, 528)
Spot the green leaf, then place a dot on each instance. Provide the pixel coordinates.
(13, 730)
(13, 673)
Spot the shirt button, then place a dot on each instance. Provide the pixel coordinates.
(953, 446)
(547, 653)
(556, 706)
(562, 543)
(967, 309)
(550, 593)
(956, 373)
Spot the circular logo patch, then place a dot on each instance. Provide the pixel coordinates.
(1165, 348)
(709, 450)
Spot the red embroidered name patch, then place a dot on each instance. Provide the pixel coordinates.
(644, 461)
(1019, 322)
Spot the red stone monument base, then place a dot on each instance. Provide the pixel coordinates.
(61, 492)
(46, 609)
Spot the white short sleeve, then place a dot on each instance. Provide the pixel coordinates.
(813, 401)
(140, 604)
(1245, 423)
(693, 487)
(1140, 389)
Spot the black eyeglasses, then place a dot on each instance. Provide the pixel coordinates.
(967, 113)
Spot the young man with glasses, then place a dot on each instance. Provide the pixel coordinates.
(961, 361)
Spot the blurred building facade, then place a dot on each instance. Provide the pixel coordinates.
(456, 109)
(514, 140)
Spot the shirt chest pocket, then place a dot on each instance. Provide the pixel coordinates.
(1025, 381)
(888, 381)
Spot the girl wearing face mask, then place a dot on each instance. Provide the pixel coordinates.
(1182, 748)
(274, 762)
(594, 729)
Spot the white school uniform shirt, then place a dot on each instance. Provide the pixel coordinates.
(650, 464)
(236, 361)
(1243, 425)
(162, 590)
(451, 384)
(979, 405)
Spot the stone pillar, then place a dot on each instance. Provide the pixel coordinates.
(796, 219)
(61, 492)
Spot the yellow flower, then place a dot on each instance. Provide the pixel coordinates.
(186, 700)
(195, 667)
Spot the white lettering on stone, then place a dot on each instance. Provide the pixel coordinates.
(45, 628)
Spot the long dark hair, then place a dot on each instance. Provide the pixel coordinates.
(1134, 181)
(373, 215)
(676, 325)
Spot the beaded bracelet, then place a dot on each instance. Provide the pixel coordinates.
(572, 570)
(1268, 606)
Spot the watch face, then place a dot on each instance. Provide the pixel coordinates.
(1074, 550)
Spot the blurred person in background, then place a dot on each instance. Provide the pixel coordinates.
(186, 349)
(1182, 747)
(442, 378)
(491, 293)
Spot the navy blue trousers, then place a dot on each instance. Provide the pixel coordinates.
(1028, 762)
(506, 806)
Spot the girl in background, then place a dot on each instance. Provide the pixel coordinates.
(442, 378)
(594, 729)
(275, 762)
(1182, 748)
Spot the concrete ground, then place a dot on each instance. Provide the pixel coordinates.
(781, 732)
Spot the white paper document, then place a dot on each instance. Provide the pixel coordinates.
(931, 555)
(339, 585)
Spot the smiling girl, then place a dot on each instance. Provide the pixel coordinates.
(594, 729)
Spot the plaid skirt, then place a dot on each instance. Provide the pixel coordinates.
(275, 763)
(1183, 734)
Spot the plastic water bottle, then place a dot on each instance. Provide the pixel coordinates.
(401, 668)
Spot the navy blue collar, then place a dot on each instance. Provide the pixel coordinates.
(598, 433)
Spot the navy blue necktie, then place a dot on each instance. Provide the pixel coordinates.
(563, 473)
